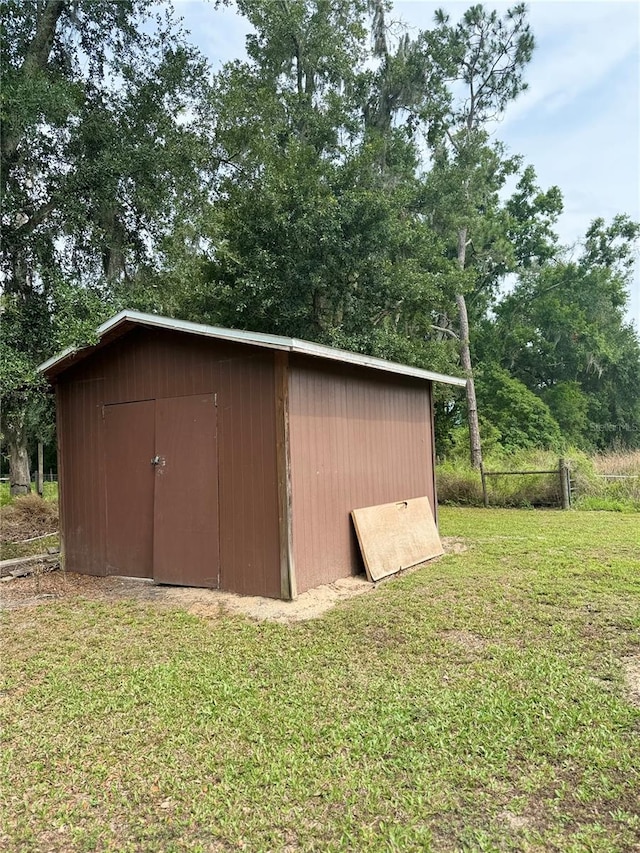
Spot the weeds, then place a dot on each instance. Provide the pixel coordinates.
(24, 519)
(618, 462)
(592, 481)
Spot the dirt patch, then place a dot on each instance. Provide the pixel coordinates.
(57, 585)
(27, 517)
(514, 821)
(469, 641)
(208, 603)
(454, 544)
(631, 667)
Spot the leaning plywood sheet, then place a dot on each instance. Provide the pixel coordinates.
(396, 536)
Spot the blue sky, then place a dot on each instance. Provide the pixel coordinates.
(579, 122)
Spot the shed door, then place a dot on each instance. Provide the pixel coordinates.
(185, 529)
(129, 447)
(161, 461)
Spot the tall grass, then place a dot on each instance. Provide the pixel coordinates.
(614, 483)
(618, 463)
(460, 485)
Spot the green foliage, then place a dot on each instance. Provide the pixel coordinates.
(569, 406)
(562, 332)
(521, 417)
(529, 217)
(317, 231)
(488, 55)
(99, 106)
(459, 484)
(328, 257)
(608, 503)
(50, 493)
(294, 194)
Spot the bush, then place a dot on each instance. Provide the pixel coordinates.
(522, 418)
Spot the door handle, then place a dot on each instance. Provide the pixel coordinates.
(155, 460)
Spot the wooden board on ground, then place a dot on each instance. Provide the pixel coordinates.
(395, 536)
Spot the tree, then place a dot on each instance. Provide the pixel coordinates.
(316, 230)
(483, 57)
(562, 332)
(94, 155)
(522, 418)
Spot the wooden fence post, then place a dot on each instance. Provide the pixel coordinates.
(485, 496)
(565, 492)
(40, 483)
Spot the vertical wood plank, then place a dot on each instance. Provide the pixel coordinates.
(40, 483)
(60, 434)
(565, 492)
(432, 441)
(483, 480)
(283, 463)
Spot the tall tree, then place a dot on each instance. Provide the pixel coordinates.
(483, 57)
(316, 231)
(96, 145)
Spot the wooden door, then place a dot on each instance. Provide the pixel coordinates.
(129, 449)
(185, 539)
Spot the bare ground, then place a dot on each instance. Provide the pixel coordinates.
(631, 666)
(43, 588)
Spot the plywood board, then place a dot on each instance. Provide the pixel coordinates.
(396, 536)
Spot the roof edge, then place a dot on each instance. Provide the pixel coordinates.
(261, 339)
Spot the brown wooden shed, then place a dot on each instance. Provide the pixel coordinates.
(219, 458)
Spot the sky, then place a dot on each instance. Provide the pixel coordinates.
(578, 124)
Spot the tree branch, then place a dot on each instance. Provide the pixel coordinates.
(445, 331)
(35, 60)
(36, 218)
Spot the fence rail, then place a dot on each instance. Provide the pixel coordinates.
(619, 476)
(562, 472)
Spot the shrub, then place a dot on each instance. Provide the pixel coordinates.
(521, 417)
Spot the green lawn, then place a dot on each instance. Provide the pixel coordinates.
(49, 492)
(476, 704)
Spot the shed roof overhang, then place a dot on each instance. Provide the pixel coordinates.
(123, 322)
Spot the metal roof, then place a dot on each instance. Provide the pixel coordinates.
(125, 319)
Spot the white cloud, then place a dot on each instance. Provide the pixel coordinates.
(574, 54)
(219, 31)
(579, 122)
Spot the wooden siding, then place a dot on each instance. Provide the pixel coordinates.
(356, 440)
(81, 476)
(155, 364)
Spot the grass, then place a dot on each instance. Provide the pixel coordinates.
(618, 462)
(50, 492)
(477, 704)
(593, 488)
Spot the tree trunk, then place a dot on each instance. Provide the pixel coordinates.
(465, 358)
(19, 475)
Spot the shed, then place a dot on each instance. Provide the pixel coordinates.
(213, 457)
